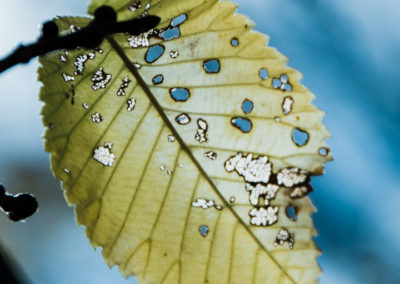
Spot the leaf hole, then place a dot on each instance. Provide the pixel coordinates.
(291, 212)
(179, 94)
(263, 73)
(212, 66)
(276, 83)
(178, 20)
(234, 42)
(158, 79)
(171, 33)
(300, 137)
(323, 151)
(243, 124)
(247, 106)
(153, 53)
(183, 119)
(282, 83)
(203, 230)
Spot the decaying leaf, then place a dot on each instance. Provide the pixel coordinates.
(187, 150)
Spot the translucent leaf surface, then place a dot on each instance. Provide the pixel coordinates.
(187, 151)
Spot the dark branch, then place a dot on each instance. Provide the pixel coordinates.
(17, 207)
(91, 36)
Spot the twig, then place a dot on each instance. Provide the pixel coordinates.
(91, 36)
(17, 207)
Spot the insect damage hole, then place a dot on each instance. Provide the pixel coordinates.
(263, 73)
(243, 124)
(154, 53)
(282, 83)
(158, 79)
(178, 20)
(179, 94)
(323, 151)
(171, 33)
(203, 230)
(212, 66)
(291, 212)
(300, 137)
(234, 42)
(247, 106)
(183, 119)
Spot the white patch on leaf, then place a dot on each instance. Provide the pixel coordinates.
(124, 85)
(284, 236)
(201, 134)
(287, 105)
(291, 176)
(100, 79)
(68, 78)
(131, 104)
(299, 192)
(203, 203)
(268, 192)
(264, 217)
(104, 155)
(253, 170)
(142, 40)
(211, 155)
(97, 117)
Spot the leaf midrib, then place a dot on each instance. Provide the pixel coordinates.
(140, 81)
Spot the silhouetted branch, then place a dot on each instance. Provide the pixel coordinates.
(10, 271)
(91, 36)
(18, 207)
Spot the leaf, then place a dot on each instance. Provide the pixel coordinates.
(192, 168)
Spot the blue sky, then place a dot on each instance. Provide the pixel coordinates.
(349, 54)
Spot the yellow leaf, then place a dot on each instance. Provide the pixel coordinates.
(188, 150)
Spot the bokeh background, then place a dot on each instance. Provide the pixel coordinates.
(349, 53)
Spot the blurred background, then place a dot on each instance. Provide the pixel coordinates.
(349, 53)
